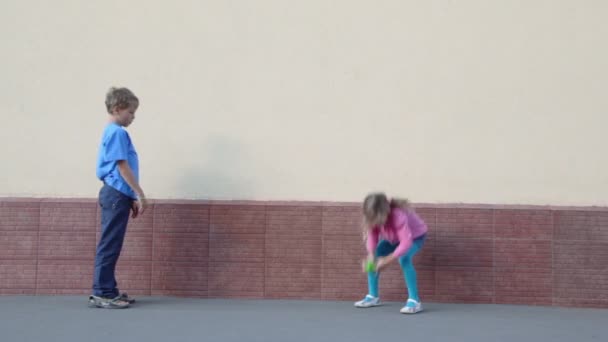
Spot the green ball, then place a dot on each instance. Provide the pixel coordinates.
(370, 267)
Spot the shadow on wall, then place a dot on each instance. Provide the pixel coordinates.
(219, 172)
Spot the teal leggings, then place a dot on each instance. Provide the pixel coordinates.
(406, 261)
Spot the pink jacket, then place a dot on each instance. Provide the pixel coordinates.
(402, 226)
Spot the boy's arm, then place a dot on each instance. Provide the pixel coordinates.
(129, 177)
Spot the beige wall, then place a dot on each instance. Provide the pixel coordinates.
(443, 101)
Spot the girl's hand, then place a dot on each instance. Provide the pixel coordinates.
(364, 262)
(383, 262)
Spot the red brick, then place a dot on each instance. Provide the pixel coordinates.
(181, 247)
(17, 292)
(18, 245)
(294, 222)
(18, 274)
(342, 221)
(523, 224)
(585, 286)
(344, 288)
(581, 225)
(308, 251)
(427, 255)
(294, 251)
(137, 246)
(342, 250)
(236, 247)
(64, 275)
(575, 255)
(293, 281)
(465, 284)
(581, 303)
(68, 216)
(236, 280)
(342, 278)
(464, 252)
(19, 216)
(523, 254)
(181, 218)
(66, 292)
(429, 216)
(524, 286)
(181, 293)
(426, 282)
(464, 223)
(70, 245)
(343, 283)
(226, 219)
(134, 276)
(179, 277)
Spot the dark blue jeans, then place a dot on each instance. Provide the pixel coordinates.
(115, 209)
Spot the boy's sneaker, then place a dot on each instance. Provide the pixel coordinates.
(108, 303)
(124, 296)
(411, 307)
(368, 301)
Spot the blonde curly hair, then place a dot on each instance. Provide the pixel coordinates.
(120, 98)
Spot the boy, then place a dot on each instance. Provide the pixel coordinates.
(118, 169)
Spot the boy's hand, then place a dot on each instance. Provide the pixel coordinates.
(140, 203)
(134, 209)
(139, 206)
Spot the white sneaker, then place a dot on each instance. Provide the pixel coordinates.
(368, 301)
(411, 307)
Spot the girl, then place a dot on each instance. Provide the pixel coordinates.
(401, 233)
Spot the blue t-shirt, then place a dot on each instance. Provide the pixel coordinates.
(116, 145)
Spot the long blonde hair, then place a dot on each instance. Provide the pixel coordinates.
(377, 205)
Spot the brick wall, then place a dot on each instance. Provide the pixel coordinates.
(474, 254)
